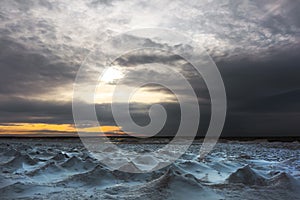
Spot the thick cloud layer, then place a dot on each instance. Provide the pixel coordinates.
(255, 45)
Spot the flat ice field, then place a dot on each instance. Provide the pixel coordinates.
(64, 169)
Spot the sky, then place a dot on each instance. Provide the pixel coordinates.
(255, 45)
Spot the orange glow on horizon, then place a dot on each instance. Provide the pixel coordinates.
(54, 129)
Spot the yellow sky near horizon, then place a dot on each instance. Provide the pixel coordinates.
(44, 128)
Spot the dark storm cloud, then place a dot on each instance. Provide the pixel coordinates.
(285, 102)
(25, 72)
(248, 80)
(20, 110)
(140, 115)
(263, 96)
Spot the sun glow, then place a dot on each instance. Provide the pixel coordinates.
(111, 74)
(105, 90)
